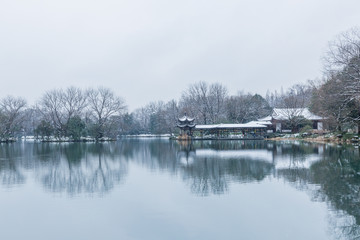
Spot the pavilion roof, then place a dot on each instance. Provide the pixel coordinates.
(185, 118)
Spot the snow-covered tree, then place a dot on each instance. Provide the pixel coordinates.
(205, 102)
(339, 96)
(11, 116)
(243, 108)
(104, 108)
(59, 106)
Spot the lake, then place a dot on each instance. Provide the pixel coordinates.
(162, 189)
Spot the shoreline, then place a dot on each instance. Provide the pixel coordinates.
(320, 139)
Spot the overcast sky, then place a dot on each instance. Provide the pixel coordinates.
(152, 50)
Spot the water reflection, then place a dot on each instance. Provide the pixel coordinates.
(73, 168)
(208, 167)
(338, 176)
(326, 173)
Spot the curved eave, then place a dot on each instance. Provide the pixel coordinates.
(186, 119)
(186, 125)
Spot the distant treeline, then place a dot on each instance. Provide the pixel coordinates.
(99, 113)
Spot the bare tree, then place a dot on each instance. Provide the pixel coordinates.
(157, 117)
(104, 107)
(243, 108)
(343, 50)
(237, 108)
(342, 68)
(32, 118)
(195, 100)
(205, 102)
(142, 117)
(11, 116)
(343, 58)
(328, 100)
(297, 96)
(217, 102)
(59, 106)
(74, 102)
(171, 115)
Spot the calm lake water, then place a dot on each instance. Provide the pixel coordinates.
(160, 189)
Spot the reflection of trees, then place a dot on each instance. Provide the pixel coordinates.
(336, 180)
(74, 167)
(339, 180)
(10, 172)
(89, 168)
(334, 177)
(206, 176)
(211, 175)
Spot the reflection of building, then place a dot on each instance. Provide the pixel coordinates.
(186, 126)
(281, 117)
(279, 156)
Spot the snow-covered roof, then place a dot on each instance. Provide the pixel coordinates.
(286, 113)
(231, 125)
(261, 122)
(185, 118)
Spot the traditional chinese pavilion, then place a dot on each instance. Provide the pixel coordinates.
(186, 126)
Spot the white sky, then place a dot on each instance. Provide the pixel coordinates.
(152, 50)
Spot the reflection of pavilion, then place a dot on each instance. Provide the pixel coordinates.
(186, 155)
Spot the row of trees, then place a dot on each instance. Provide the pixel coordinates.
(208, 103)
(98, 112)
(211, 104)
(63, 113)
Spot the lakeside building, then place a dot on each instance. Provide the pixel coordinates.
(280, 118)
(251, 130)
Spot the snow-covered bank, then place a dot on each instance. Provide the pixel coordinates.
(327, 138)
